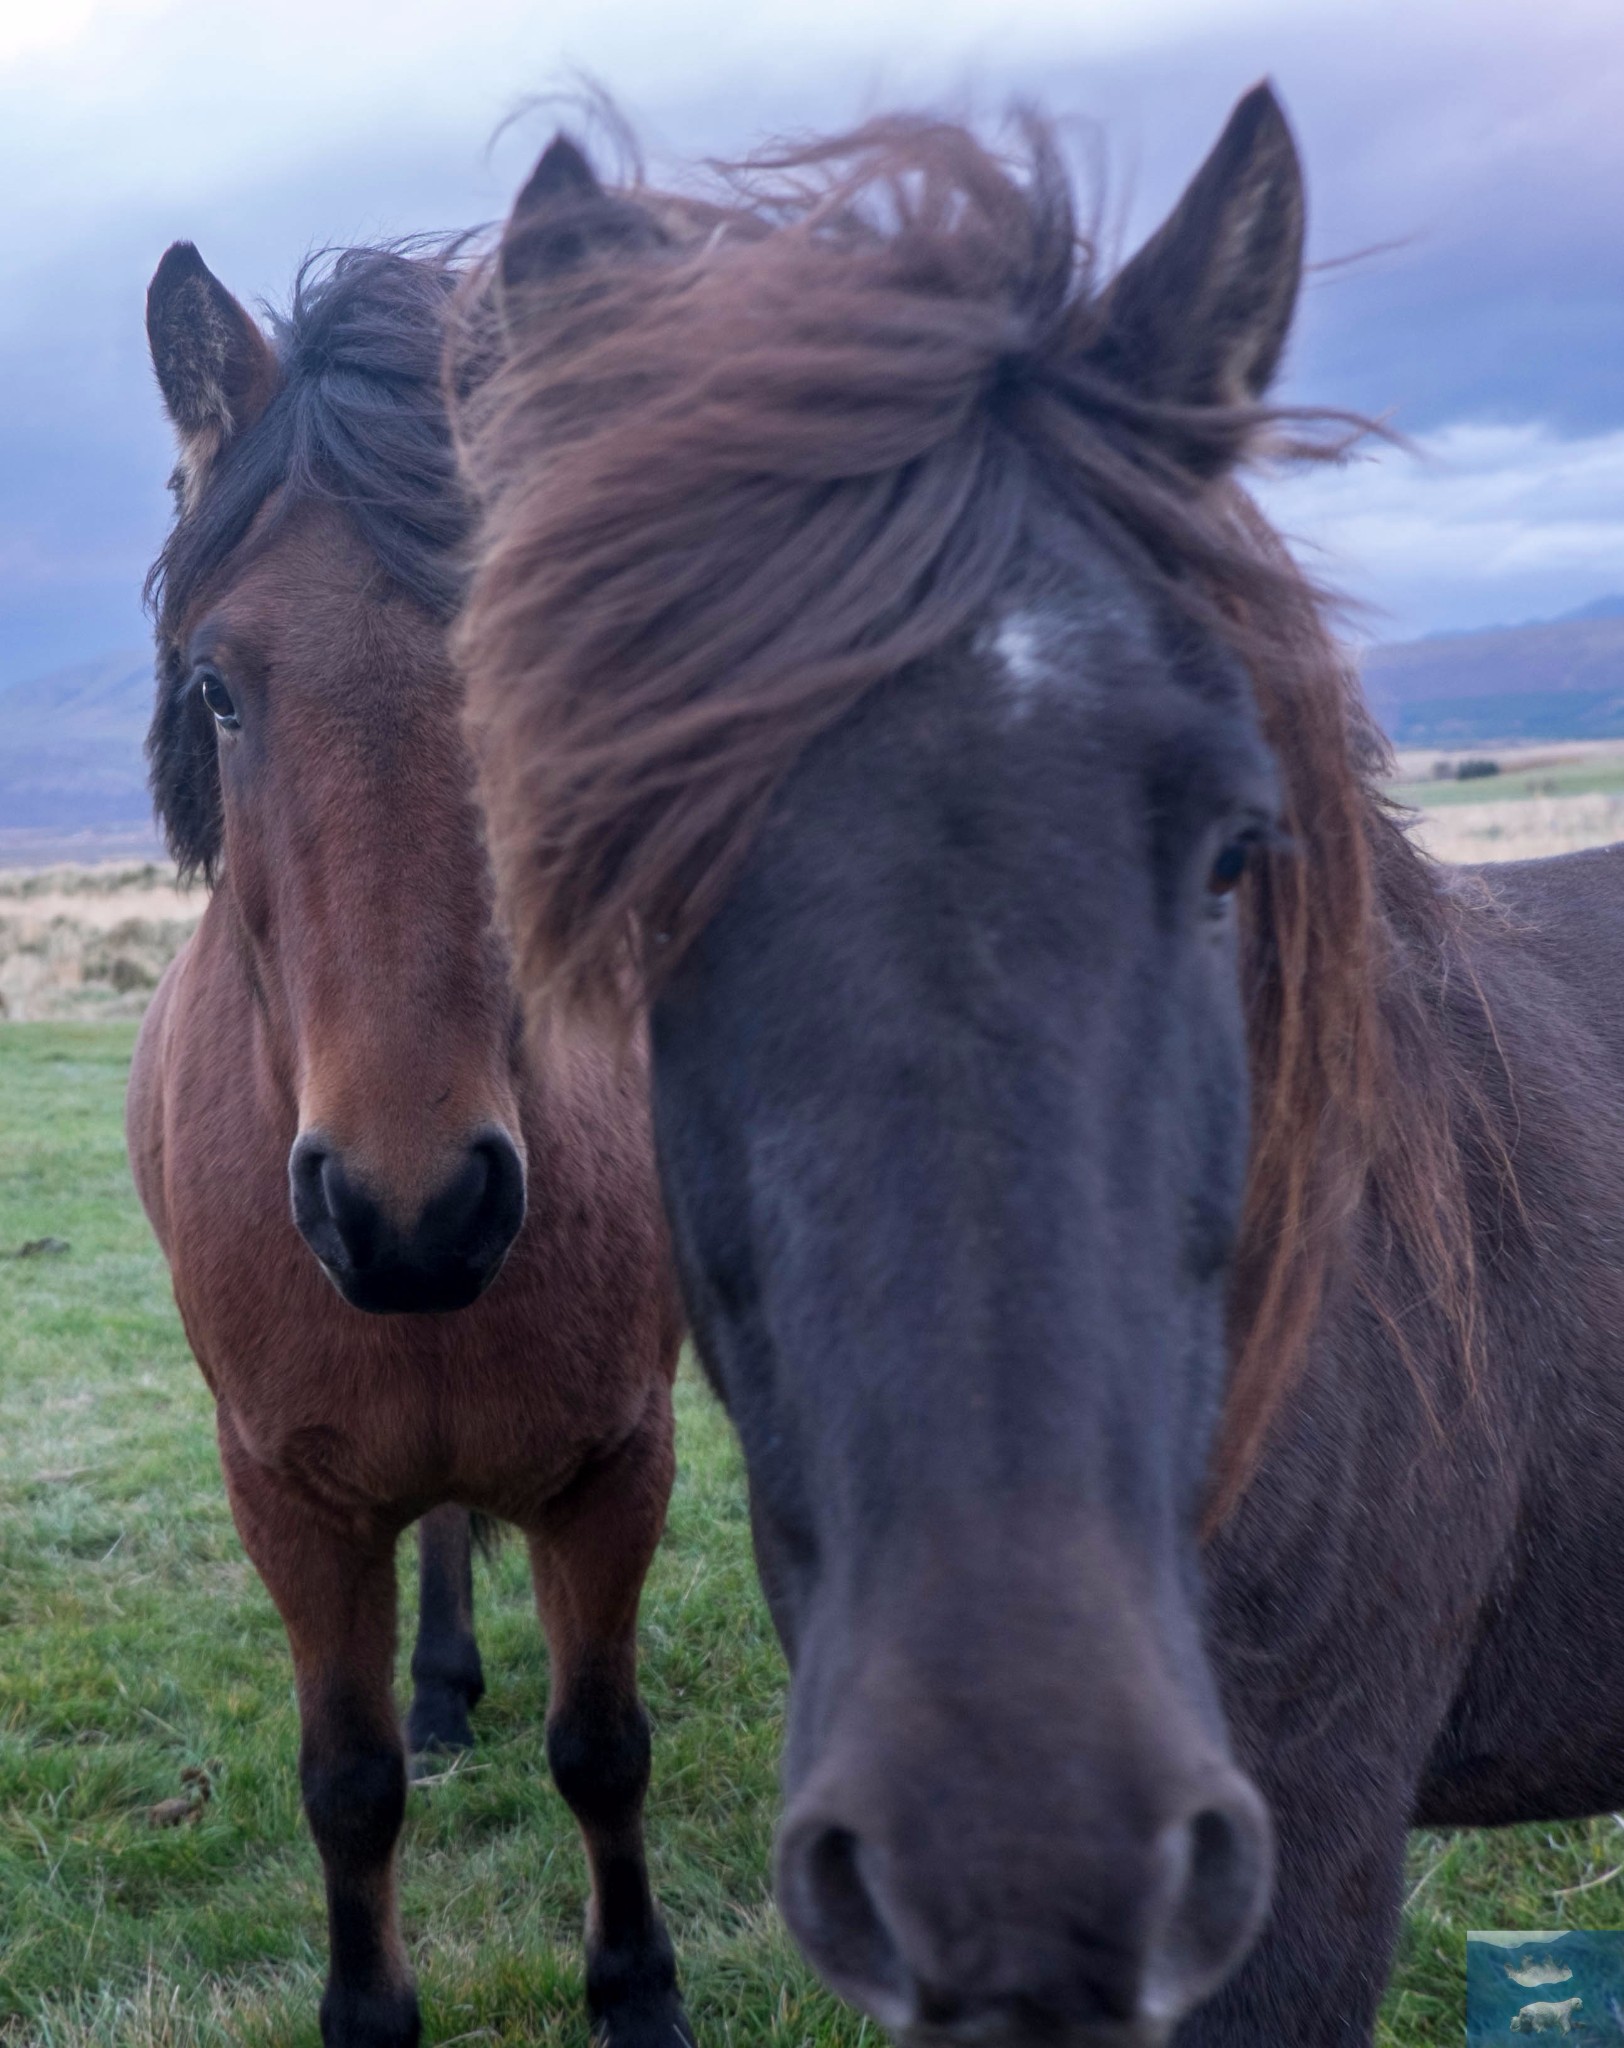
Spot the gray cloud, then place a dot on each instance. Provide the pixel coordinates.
(1479, 525)
(1485, 140)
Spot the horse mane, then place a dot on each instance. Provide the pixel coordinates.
(358, 420)
(728, 488)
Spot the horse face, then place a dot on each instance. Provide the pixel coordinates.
(354, 865)
(307, 740)
(952, 1107)
(950, 1066)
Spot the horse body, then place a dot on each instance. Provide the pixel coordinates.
(1536, 1730)
(1160, 1239)
(1412, 1611)
(331, 1112)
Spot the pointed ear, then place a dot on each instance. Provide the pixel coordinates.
(215, 369)
(1200, 316)
(563, 218)
(562, 172)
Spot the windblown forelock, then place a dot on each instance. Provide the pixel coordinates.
(747, 479)
(730, 488)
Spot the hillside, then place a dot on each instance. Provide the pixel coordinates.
(72, 777)
(1555, 679)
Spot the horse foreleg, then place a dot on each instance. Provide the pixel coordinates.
(334, 1585)
(589, 1560)
(448, 1680)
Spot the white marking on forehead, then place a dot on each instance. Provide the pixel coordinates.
(1019, 643)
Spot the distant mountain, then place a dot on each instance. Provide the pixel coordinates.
(72, 770)
(70, 751)
(1559, 679)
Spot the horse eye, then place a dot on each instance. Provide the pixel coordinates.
(218, 698)
(1230, 865)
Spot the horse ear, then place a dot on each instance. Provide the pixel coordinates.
(1200, 316)
(562, 172)
(215, 369)
(563, 217)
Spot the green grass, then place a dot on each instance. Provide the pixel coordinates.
(1574, 778)
(136, 1641)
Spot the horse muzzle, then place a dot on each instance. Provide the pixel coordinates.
(439, 1260)
(1027, 1862)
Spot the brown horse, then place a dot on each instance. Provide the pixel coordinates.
(1087, 1124)
(338, 1134)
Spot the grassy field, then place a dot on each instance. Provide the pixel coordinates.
(135, 1642)
(1546, 799)
(1548, 771)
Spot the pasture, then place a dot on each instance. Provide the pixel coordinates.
(1544, 800)
(136, 1644)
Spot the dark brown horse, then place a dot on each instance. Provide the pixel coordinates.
(418, 1266)
(1160, 1238)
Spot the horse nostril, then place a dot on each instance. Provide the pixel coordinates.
(442, 1259)
(466, 1229)
(339, 1223)
(305, 1162)
(355, 1215)
(830, 1907)
(1218, 1865)
(495, 1179)
(840, 1897)
(454, 1214)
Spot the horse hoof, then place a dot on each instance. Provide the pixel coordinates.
(437, 1725)
(632, 1995)
(423, 1766)
(370, 2019)
(666, 2026)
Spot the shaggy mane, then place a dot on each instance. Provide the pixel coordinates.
(731, 485)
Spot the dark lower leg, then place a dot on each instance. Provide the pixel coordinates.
(598, 1750)
(589, 1569)
(352, 1771)
(335, 1588)
(447, 1677)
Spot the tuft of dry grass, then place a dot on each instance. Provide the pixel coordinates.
(89, 942)
(1521, 828)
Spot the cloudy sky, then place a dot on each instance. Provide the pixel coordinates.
(1470, 153)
